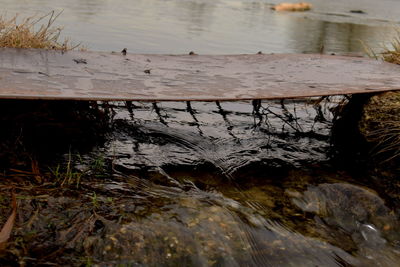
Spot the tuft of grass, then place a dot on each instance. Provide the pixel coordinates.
(392, 55)
(389, 53)
(387, 138)
(66, 176)
(33, 32)
(380, 122)
(380, 125)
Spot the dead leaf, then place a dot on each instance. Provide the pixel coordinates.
(5, 232)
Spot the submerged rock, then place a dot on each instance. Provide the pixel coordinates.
(357, 212)
(350, 207)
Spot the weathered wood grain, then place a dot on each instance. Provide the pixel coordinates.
(42, 74)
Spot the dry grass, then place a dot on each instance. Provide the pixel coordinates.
(32, 32)
(390, 54)
(389, 137)
(393, 55)
(380, 123)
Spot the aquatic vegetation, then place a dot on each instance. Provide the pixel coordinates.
(32, 32)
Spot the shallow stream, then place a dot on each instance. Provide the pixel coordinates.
(204, 183)
(207, 184)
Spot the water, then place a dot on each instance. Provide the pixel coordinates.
(208, 184)
(218, 26)
(214, 184)
(227, 136)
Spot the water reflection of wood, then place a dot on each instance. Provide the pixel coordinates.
(41, 74)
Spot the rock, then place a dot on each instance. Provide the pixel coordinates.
(359, 211)
(357, 11)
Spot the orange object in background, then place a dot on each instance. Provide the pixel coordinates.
(292, 7)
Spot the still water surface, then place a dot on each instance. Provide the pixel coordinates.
(218, 184)
(218, 26)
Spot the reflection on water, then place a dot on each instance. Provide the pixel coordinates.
(218, 26)
(208, 184)
(214, 184)
(331, 37)
(227, 136)
(232, 184)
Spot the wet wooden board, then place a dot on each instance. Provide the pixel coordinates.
(41, 74)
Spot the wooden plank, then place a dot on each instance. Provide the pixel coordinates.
(42, 74)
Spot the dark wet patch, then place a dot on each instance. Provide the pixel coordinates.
(36, 130)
